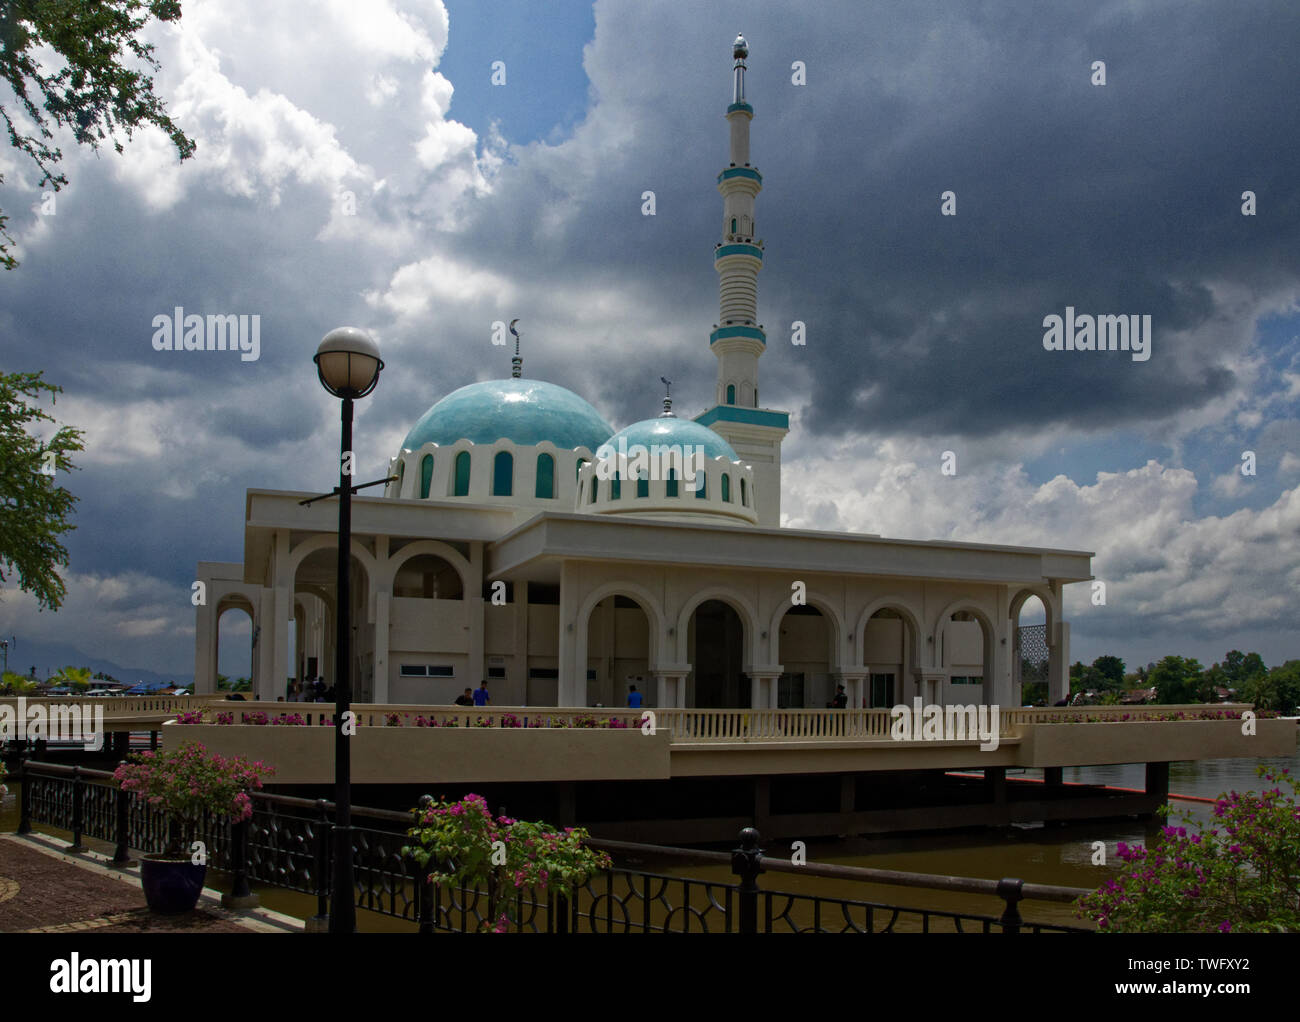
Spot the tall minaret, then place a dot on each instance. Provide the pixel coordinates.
(738, 339)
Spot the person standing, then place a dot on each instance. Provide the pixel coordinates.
(841, 700)
(466, 698)
(481, 695)
(634, 698)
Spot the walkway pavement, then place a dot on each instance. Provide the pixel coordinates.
(45, 890)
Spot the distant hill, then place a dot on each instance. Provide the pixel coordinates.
(52, 657)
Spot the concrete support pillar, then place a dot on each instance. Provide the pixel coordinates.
(763, 805)
(1058, 664)
(995, 785)
(670, 686)
(205, 647)
(566, 809)
(475, 664)
(855, 685)
(573, 669)
(1158, 780)
(764, 686)
(848, 793)
(382, 611)
(279, 667)
(516, 686)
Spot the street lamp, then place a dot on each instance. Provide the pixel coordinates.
(348, 364)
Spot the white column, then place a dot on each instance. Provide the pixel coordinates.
(382, 602)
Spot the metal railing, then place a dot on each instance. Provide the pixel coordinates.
(288, 844)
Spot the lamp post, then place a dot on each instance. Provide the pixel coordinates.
(348, 364)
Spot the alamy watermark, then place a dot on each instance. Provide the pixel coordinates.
(1098, 333)
(53, 722)
(656, 462)
(953, 723)
(179, 332)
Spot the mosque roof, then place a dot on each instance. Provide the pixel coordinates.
(669, 431)
(525, 411)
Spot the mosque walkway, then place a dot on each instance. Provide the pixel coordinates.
(45, 890)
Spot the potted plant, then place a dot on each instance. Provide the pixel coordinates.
(188, 784)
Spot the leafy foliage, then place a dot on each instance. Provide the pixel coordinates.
(466, 846)
(91, 90)
(34, 511)
(187, 783)
(1240, 875)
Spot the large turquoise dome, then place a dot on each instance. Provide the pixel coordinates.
(525, 411)
(673, 432)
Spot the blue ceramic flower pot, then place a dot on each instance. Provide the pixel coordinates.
(171, 886)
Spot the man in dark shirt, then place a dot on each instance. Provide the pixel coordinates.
(841, 699)
(465, 699)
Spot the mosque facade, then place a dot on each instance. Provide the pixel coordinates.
(521, 540)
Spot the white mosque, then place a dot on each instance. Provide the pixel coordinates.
(510, 546)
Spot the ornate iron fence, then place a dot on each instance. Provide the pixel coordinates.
(288, 844)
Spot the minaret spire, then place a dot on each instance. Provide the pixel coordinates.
(516, 363)
(738, 340)
(667, 413)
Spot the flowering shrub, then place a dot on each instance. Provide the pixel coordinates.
(3, 774)
(189, 717)
(1093, 718)
(1241, 875)
(226, 717)
(289, 718)
(256, 717)
(455, 841)
(481, 722)
(187, 782)
(393, 719)
(510, 720)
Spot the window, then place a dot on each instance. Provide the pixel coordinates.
(462, 475)
(643, 487)
(545, 477)
(731, 393)
(703, 492)
(744, 495)
(427, 671)
(733, 225)
(595, 485)
(503, 474)
(670, 483)
(496, 673)
(426, 475)
(967, 681)
(543, 673)
(726, 488)
(615, 487)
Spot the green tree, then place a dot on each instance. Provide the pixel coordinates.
(34, 511)
(1279, 689)
(1176, 679)
(1111, 669)
(89, 89)
(15, 684)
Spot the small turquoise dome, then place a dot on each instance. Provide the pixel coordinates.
(525, 411)
(673, 432)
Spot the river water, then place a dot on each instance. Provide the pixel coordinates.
(1052, 855)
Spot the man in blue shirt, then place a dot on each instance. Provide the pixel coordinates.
(634, 698)
(481, 697)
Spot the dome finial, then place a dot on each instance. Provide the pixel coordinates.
(668, 399)
(516, 363)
